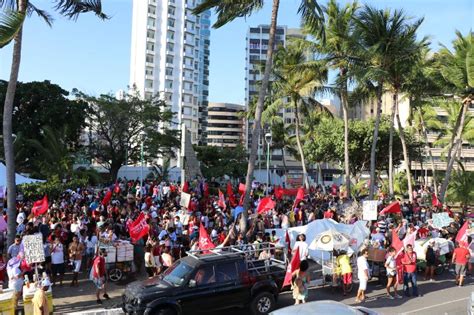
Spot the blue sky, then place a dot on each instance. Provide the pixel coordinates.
(93, 55)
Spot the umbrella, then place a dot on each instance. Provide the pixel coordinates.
(330, 240)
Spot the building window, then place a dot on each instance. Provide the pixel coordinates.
(170, 35)
(171, 10)
(171, 22)
(168, 84)
(186, 111)
(327, 177)
(149, 71)
(188, 74)
(149, 84)
(189, 26)
(150, 46)
(169, 71)
(151, 22)
(188, 86)
(149, 58)
(169, 97)
(169, 46)
(169, 59)
(152, 9)
(188, 61)
(148, 95)
(150, 34)
(187, 98)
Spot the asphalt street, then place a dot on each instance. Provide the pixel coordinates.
(439, 297)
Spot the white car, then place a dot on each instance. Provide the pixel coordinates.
(324, 308)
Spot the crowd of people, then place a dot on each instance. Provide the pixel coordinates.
(80, 220)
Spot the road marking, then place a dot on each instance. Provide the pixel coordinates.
(436, 305)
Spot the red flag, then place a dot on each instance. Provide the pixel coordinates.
(242, 188)
(278, 192)
(205, 188)
(139, 228)
(288, 241)
(299, 196)
(394, 207)
(265, 204)
(117, 188)
(294, 265)
(205, 242)
(435, 201)
(396, 242)
(185, 187)
(221, 201)
(107, 197)
(40, 207)
(461, 237)
(241, 201)
(230, 193)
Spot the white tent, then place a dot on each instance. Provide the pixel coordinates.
(19, 179)
(358, 233)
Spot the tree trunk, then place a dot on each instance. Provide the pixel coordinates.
(430, 153)
(346, 139)
(283, 159)
(258, 115)
(390, 145)
(8, 130)
(457, 145)
(406, 156)
(373, 151)
(300, 147)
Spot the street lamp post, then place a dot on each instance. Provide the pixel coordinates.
(268, 139)
(142, 138)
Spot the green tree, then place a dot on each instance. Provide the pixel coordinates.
(220, 161)
(118, 127)
(339, 52)
(69, 8)
(298, 87)
(457, 70)
(10, 24)
(379, 33)
(227, 11)
(40, 104)
(460, 188)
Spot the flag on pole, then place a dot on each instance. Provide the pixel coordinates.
(461, 237)
(138, 228)
(242, 188)
(278, 192)
(40, 207)
(221, 201)
(394, 207)
(205, 242)
(288, 242)
(294, 265)
(396, 242)
(299, 196)
(230, 194)
(107, 197)
(265, 205)
(185, 187)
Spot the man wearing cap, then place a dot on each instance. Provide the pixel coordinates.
(40, 300)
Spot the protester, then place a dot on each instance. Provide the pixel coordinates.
(430, 255)
(344, 263)
(57, 260)
(98, 275)
(461, 256)
(40, 300)
(15, 278)
(302, 246)
(76, 250)
(391, 267)
(300, 284)
(409, 271)
(363, 275)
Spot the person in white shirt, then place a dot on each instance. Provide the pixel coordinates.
(363, 274)
(303, 247)
(391, 267)
(57, 260)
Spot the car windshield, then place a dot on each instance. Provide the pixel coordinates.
(177, 273)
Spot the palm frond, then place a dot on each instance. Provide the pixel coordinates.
(229, 10)
(45, 16)
(312, 17)
(73, 8)
(10, 24)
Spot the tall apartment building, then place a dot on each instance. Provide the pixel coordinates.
(170, 56)
(256, 55)
(226, 126)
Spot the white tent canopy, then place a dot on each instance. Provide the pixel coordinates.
(19, 179)
(358, 232)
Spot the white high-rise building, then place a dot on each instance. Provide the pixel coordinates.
(170, 55)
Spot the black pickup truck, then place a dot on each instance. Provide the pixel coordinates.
(206, 283)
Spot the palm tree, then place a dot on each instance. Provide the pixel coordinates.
(340, 56)
(408, 51)
(68, 8)
(298, 87)
(457, 70)
(10, 24)
(378, 32)
(460, 188)
(227, 11)
(425, 119)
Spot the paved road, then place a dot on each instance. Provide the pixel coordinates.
(439, 297)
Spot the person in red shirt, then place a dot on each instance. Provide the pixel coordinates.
(460, 258)
(423, 232)
(409, 271)
(98, 274)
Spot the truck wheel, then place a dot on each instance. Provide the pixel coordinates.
(263, 303)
